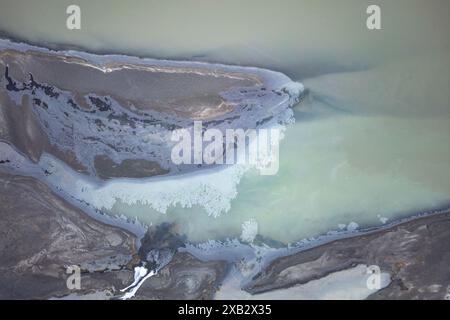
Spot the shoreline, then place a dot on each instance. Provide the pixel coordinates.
(406, 251)
(66, 47)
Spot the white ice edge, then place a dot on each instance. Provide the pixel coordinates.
(213, 189)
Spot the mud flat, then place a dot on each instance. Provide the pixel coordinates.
(112, 114)
(414, 253)
(41, 235)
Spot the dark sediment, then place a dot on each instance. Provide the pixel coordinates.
(415, 253)
(185, 277)
(41, 234)
(106, 168)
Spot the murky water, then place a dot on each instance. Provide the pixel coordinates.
(372, 137)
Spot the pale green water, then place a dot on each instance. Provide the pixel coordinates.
(371, 139)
